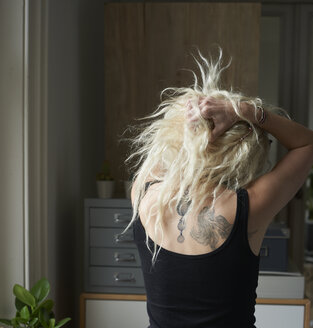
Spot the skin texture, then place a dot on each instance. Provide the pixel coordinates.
(210, 229)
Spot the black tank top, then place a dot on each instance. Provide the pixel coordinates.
(212, 290)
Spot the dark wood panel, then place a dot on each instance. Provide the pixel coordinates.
(124, 77)
(147, 46)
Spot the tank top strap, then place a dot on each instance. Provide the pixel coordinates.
(243, 204)
(242, 216)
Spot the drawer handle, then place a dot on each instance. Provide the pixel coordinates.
(119, 239)
(126, 257)
(121, 218)
(264, 251)
(124, 277)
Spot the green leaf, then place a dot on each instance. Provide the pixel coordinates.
(19, 304)
(44, 317)
(20, 320)
(52, 323)
(47, 304)
(41, 289)
(25, 313)
(33, 322)
(24, 295)
(6, 322)
(62, 322)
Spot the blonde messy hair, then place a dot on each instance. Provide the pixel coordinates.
(190, 167)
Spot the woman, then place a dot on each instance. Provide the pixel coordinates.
(203, 200)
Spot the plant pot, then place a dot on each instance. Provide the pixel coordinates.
(105, 188)
(127, 187)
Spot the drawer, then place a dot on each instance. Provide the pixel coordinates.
(273, 254)
(274, 250)
(106, 313)
(110, 217)
(119, 277)
(107, 237)
(115, 257)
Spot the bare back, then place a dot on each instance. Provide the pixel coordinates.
(204, 231)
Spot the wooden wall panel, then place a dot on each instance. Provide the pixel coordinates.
(147, 46)
(124, 78)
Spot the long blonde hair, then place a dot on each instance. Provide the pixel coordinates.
(190, 167)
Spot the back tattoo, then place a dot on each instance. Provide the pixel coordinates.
(210, 228)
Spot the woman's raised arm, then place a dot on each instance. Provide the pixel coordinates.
(272, 191)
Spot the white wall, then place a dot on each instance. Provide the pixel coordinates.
(11, 150)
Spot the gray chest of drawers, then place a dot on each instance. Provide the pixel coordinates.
(112, 263)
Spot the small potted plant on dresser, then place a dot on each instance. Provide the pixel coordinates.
(33, 310)
(105, 182)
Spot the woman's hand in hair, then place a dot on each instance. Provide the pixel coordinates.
(192, 116)
(219, 111)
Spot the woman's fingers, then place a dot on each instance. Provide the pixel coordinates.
(220, 114)
(217, 131)
(209, 109)
(192, 116)
(205, 112)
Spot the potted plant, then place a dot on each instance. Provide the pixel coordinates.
(105, 182)
(33, 310)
